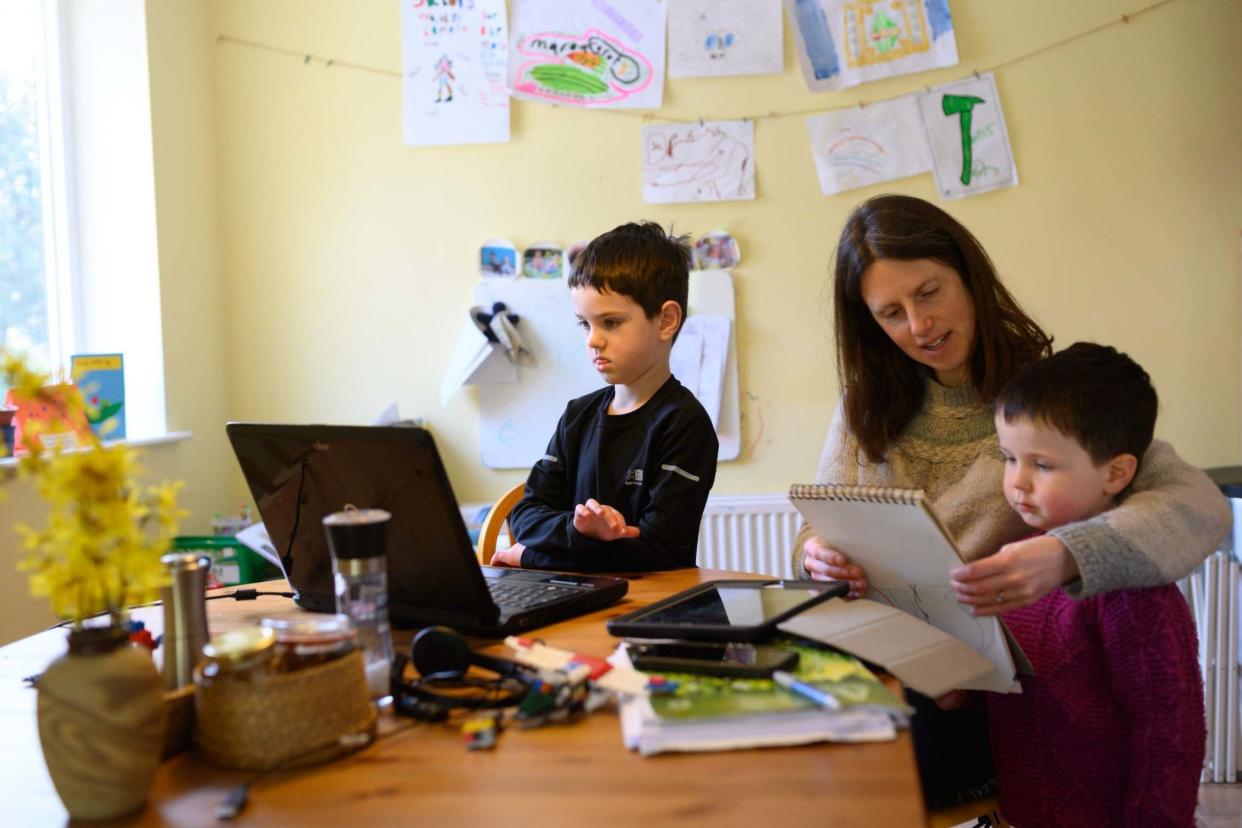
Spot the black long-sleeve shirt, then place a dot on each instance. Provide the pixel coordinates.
(654, 465)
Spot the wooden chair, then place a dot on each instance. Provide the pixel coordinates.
(496, 518)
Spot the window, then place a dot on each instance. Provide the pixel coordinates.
(33, 280)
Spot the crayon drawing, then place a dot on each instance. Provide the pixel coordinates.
(965, 130)
(858, 147)
(691, 162)
(454, 60)
(711, 38)
(843, 43)
(589, 53)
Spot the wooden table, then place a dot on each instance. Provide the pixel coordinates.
(421, 774)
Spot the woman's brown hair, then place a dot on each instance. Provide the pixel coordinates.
(884, 389)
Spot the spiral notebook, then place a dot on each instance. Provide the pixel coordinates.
(906, 551)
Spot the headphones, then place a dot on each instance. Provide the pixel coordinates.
(442, 658)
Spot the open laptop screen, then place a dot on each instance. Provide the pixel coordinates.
(300, 473)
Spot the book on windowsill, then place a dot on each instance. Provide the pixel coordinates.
(101, 378)
(712, 713)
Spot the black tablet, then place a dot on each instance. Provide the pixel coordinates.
(726, 610)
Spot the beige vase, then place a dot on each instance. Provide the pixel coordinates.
(101, 724)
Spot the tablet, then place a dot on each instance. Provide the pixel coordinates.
(726, 610)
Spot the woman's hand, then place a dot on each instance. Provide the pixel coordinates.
(1018, 575)
(827, 564)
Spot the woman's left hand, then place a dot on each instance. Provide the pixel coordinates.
(1018, 575)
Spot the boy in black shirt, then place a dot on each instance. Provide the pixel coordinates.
(625, 478)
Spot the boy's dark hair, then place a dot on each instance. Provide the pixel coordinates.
(638, 260)
(1091, 393)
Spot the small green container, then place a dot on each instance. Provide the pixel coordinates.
(232, 563)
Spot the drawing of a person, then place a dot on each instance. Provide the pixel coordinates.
(444, 77)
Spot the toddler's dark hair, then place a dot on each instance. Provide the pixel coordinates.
(1091, 393)
(638, 260)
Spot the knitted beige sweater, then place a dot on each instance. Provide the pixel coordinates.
(1172, 516)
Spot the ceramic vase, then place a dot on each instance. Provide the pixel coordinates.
(101, 723)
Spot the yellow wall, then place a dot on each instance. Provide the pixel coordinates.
(349, 259)
(314, 269)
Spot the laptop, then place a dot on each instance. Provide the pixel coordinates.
(300, 473)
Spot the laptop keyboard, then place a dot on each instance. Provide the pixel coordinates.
(514, 595)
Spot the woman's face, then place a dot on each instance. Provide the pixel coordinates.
(924, 308)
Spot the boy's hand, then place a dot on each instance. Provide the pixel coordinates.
(1018, 575)
(509, 557)
(595, 520)
(827, 564)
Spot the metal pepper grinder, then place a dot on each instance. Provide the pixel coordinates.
(185, 615)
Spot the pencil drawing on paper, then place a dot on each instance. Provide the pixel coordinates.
(708, 162)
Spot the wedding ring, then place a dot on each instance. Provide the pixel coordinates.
(1000, 597)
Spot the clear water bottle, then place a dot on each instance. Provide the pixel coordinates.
(358, 540)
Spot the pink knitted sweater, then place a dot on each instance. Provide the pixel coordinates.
(1110, 730)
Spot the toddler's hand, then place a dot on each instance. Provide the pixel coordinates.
(595, 520)
(827, 564)
(509, 557)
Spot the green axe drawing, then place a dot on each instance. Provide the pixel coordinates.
(961, 105)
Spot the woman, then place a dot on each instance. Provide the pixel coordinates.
(926, 336)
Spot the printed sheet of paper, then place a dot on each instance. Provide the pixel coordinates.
(454, 60)
(969, 143)
(861, 146)
(842, 43)
(712, 38)
(713, 161)
(589, 53)
(699, 357)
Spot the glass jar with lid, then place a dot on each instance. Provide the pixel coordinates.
(305, 641)
(237, 655)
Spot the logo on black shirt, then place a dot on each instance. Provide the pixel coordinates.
(634, 477)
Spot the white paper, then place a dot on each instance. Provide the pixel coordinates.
(588, 53)
(860, 146)
(699, 357)
(686, 360)
(475, 360)
(454, 61)
(969, 143)
(255, 537)
(842, 43)
(711, 38)
(712, 161)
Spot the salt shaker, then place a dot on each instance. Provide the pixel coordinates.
(357, 539)
(185, 615)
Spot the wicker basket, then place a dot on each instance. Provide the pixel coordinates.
(285, 720)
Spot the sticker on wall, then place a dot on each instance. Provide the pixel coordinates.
(498, 258)
(969, 143)
(842, 43)
(712, 161)
(716, 250)
(589, 53)
(712, 38)
(867, 145)
(454, 61)
(543, 260)
(572, 253)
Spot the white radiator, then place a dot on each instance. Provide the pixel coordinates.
(749, 533)
(1212, 592)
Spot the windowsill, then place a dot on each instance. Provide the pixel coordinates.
(137, 442)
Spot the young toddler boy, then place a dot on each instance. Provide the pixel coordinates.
(625, 478)
(1110, 729)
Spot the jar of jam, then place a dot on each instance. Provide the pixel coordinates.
(305, 641)
(237, 655)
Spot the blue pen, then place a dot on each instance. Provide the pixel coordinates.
(806, 691)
